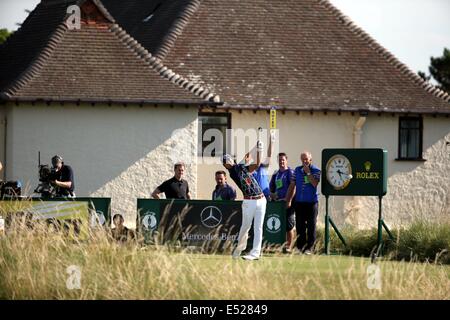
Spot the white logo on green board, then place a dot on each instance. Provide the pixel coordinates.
(273, 223)
(149, 221)
(211, 217)
(97, 219)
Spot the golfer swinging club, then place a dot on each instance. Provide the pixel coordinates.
(253, 206)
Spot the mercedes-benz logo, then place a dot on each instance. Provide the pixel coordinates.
(211, 217)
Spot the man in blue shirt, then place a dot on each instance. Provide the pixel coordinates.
(223, 190)
(304, 184)
(279, 185)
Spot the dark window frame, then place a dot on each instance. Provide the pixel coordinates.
(419, 157)
(215, 114)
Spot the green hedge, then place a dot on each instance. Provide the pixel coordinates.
(421, 241)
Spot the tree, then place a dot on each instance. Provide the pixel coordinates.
(440, 70)
(4, 34)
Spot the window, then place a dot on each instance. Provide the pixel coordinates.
(213, 126)
(410, 138)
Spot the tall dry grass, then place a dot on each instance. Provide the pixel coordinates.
(420, 241)
(33, 265)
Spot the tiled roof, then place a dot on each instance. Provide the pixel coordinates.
(299, 54)
(99, 62)
(154, 23)
(22, 48)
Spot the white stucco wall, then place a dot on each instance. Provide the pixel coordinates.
(414, 188)
(118, 152)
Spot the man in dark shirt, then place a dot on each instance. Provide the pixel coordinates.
(253, 206)
(64, 180)
(176, 187)
(120, 233)
(223, 190)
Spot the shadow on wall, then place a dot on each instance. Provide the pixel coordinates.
(114, 151)
(423, 193)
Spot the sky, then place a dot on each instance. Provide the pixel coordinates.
(413, 30)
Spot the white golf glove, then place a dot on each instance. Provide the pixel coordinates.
(272, 135)
(259, 146)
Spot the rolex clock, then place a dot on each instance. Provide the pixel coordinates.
(338, 171)
(354, 172)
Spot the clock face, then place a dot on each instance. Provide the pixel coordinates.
(339, 171)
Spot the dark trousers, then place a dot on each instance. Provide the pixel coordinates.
(305, 223)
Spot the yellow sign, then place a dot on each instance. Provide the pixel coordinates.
(74, 212)
(273, 118)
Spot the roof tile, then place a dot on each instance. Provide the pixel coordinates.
(100, 62)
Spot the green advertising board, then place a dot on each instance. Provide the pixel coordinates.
(354, 172)
(204, 221)
(102, 209)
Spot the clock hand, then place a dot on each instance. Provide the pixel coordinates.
(349, 176)
(340, 174)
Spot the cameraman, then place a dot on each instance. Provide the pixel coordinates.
(63, 182)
